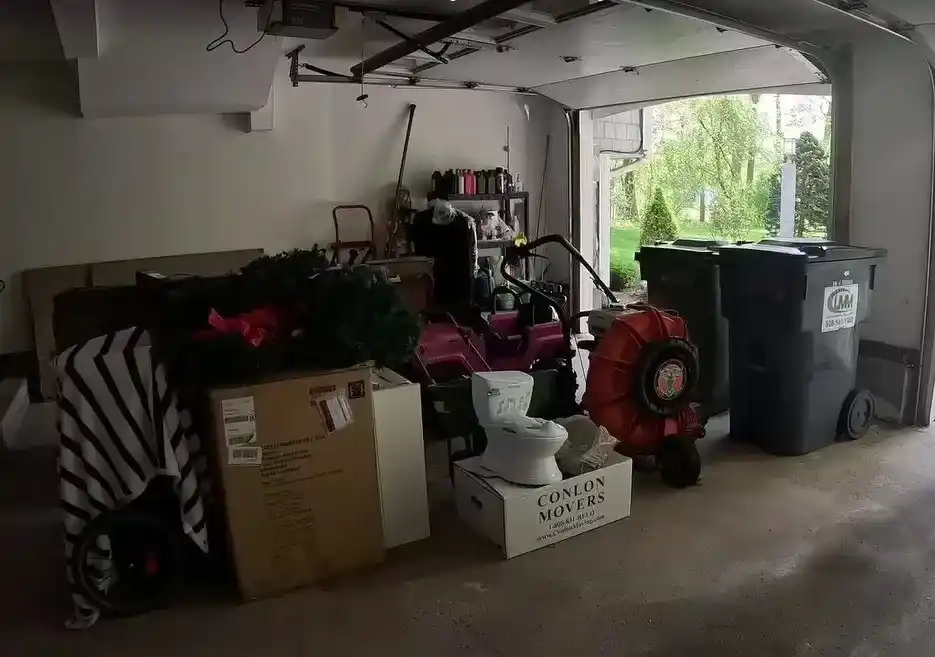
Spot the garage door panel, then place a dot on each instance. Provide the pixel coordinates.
(604, 41)
(735, 71)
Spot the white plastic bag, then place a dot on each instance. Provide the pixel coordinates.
(587, 448)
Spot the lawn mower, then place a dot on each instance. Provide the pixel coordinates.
(467, 333)
(640, 379)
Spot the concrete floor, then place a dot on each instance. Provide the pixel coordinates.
(827, 554)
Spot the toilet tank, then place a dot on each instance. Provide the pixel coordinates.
(500, 394)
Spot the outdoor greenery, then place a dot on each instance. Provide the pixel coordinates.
(623, 274)
(714, 172)
(773, 194)
(812, 185)
(657, 224)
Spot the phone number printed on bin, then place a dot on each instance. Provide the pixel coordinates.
(839, 309)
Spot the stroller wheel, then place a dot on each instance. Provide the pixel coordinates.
(679, 462)
(128, 563)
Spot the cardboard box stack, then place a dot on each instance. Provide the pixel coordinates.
(298, 470)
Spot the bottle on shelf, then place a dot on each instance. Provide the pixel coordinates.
(517, 184)
(451, 185)
(459, 177)
(438, 182)
(507, 182)
(469, 182)
(478, 182)
(498, 181)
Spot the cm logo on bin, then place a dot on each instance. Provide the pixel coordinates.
(841, 300)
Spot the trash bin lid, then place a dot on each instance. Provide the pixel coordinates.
(691, 247)
(805, 252)
(794, 241)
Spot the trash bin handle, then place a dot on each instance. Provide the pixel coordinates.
(814, 249)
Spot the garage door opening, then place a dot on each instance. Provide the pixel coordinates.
(732, 168)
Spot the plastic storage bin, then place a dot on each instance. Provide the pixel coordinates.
(683, 276)
(794, 313)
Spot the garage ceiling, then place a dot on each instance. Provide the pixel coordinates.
(608, 40)
(603, 53)
(138, 57)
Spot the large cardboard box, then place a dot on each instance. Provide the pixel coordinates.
(522, 518)
(299, 483)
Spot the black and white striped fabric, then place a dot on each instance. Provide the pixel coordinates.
(120, 427)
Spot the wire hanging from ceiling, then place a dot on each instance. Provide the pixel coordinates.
(362, 98)
(222, 39)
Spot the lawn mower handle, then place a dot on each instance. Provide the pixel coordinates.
(515, 252)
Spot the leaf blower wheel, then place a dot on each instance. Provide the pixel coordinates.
(666, 376)
(679, 462)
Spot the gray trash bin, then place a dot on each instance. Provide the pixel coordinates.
(794, 313)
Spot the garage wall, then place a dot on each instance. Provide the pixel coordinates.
(79, 190)
(891, 207)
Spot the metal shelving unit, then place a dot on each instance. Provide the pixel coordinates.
(503, 199)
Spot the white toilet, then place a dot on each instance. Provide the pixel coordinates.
(520, 449)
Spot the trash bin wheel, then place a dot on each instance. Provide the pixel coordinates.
(679, 462)
(856, 414)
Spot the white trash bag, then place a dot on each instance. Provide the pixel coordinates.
(587, 448)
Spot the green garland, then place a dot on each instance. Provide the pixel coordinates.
(330, 318)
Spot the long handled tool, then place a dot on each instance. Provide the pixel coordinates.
(395, 220)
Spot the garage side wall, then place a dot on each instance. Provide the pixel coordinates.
(891, 207)
(83, 190)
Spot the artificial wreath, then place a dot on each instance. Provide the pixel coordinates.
(285, 312)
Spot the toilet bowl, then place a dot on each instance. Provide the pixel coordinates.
(520, 449)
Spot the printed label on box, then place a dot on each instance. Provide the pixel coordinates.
(239, 417)
(335, 412)
(244, 455)
(356, 389)
(839, 310)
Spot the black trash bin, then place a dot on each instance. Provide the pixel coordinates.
(682, 276)
(794, 313)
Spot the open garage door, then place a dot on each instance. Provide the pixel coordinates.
(732, 71)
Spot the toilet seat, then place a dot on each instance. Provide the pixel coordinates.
(529, 428)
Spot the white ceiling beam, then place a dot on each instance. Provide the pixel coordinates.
(261, 120)
(77, 24)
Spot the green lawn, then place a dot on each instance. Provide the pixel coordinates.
(624, 242)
